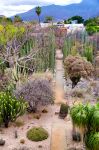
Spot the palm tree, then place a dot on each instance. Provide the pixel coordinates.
(38, 12)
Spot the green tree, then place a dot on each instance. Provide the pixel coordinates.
(5, 21)
(48, 19)
(17, 19)
(78, 18)
(38, 12)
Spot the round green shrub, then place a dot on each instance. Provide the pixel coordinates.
(37, 134)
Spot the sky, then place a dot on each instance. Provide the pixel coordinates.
(12, 7)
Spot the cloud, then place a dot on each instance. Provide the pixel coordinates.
(12, 10)
(12, 7)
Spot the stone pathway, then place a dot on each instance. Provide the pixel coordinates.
(58, 140)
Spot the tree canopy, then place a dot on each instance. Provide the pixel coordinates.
(78, 18)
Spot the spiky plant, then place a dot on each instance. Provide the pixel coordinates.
(94, 119)
(92, 141)
(79, 116)
(86, 117)
(10, 108)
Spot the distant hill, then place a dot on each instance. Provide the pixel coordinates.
(86, 9)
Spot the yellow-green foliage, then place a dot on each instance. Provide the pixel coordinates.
(37, 134)
(10, 108)
(1, 28)
(19, 123)
(8, 32)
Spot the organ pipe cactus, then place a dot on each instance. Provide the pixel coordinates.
(10, 108)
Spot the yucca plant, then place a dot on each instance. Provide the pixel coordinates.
(10, 108)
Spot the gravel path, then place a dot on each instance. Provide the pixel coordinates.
(59, 89)
(59, 126)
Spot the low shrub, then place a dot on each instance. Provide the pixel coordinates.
(77, 67)
(98, 99)
(37, 116)
(3, 83)
(22, 141)
(36, 92)
(19, 123)
(77, 93)
(37, 134)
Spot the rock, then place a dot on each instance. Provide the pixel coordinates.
(44, 111)
(2, 142)
(40, 146)
(56, 113)
(22, 141)
(16, 134)
(76, 136)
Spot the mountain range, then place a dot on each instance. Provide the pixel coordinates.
(86, 9)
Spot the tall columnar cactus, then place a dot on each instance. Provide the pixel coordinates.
(10, 108)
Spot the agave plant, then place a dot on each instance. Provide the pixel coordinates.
(92, 141)
(86, 117)
(79, 116)
(95, 119)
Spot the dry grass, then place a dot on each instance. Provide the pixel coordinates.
(47, 75)
(19, 123)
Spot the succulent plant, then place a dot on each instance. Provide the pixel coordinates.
(10, 108)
